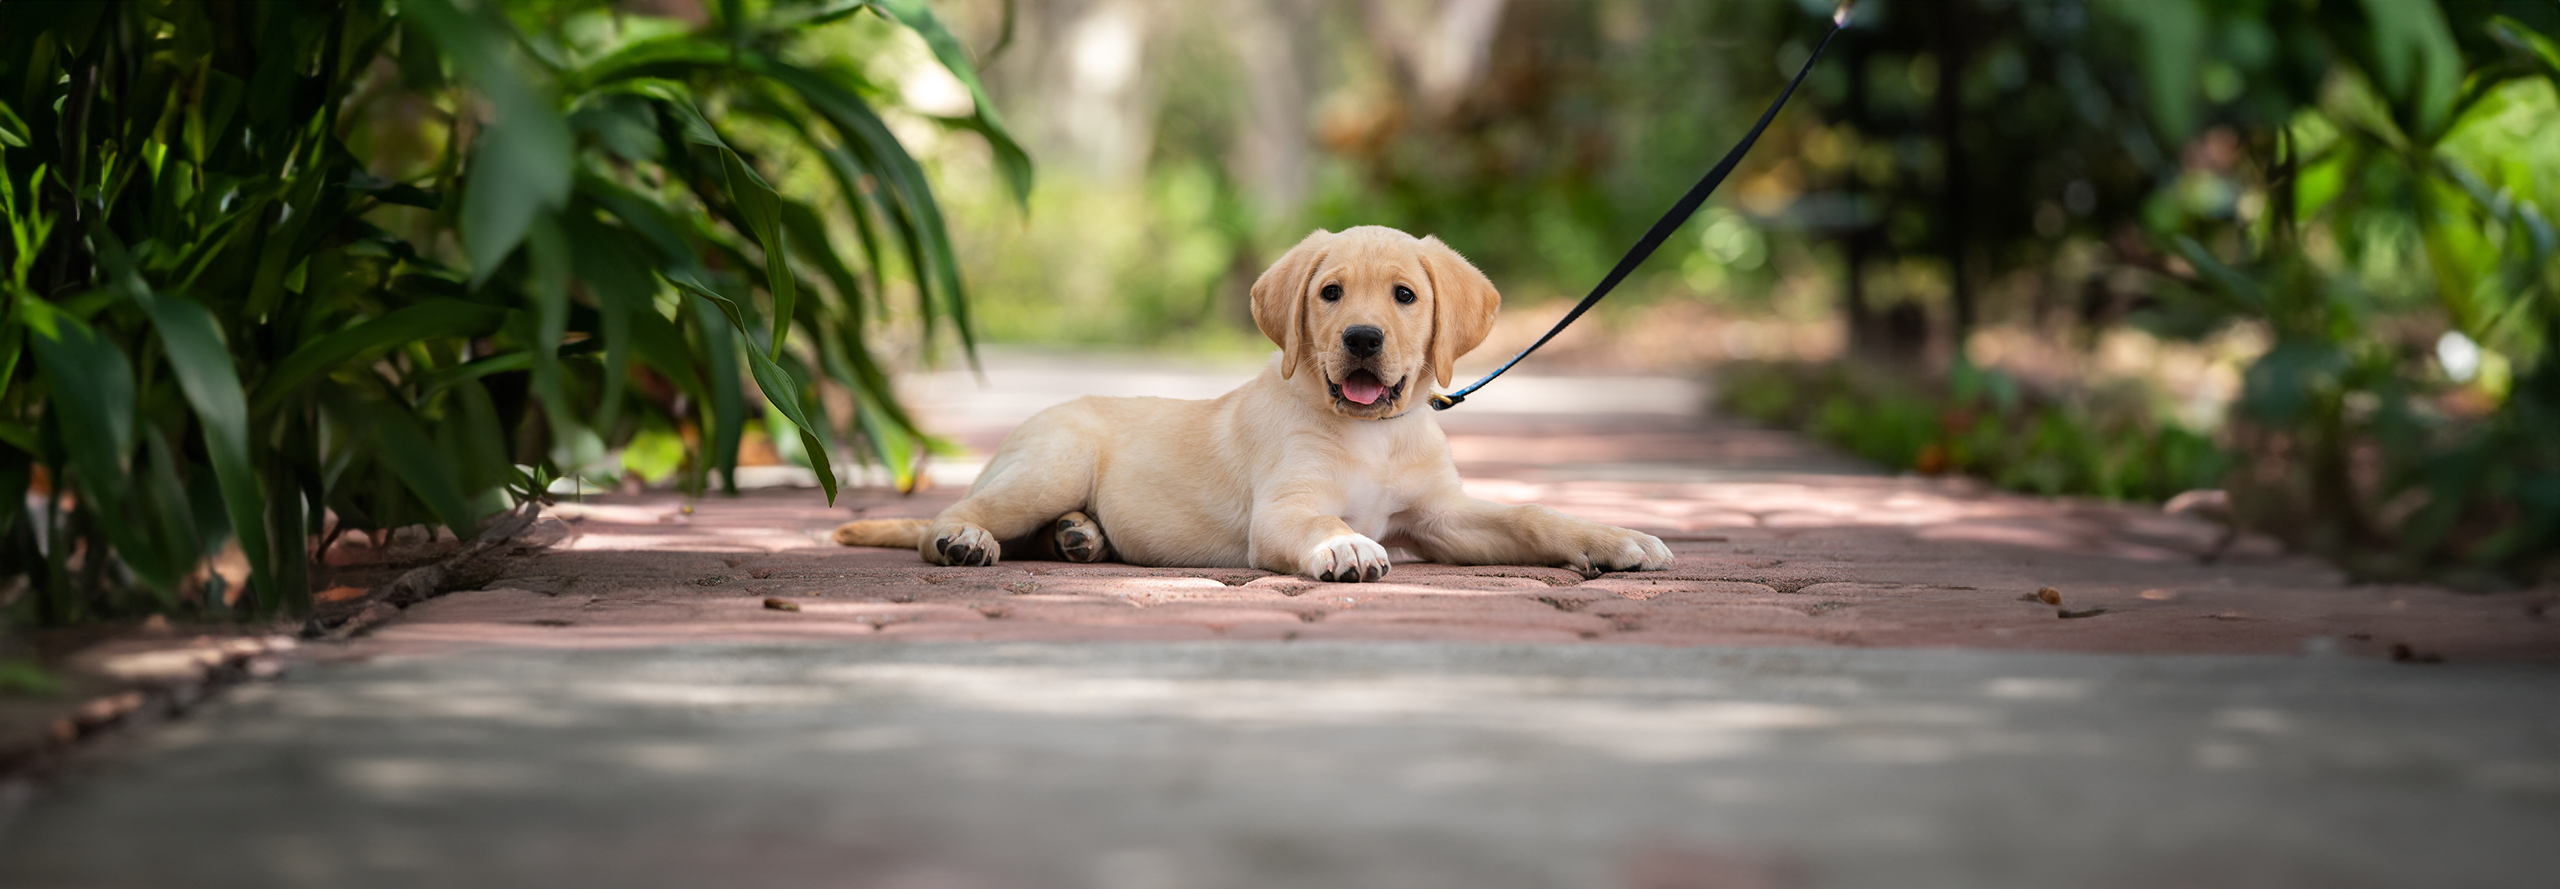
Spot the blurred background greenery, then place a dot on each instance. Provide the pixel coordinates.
(2298, 249)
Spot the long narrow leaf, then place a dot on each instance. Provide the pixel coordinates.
(864, 132)
(404, 446)
(434, 319)
(763, 209)
(947, 49)
(777, 385)
(90, 383)
(204, 371)
(728, 400)
(521, 165)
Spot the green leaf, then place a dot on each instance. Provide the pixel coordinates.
(406, 448)
(763, 209)
(728, 401)
(665, 56)
(91, 383)
(430, 320)
(954, 57)
(2417, 63)
(205, 372)
(2172, 37)
(13, 132)
(659, 227)
(436, 382)
(777, 385)
(616, 271)
(548, 284)
(13, 338)
(175, 546)
(203, 367)
(521, 165)
(2523, 40)
(906, 198)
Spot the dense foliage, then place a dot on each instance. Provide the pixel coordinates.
(277, 270)
(2367, 187)
(2387, 217)
(1980, 423)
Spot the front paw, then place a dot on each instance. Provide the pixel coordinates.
(1606, 549)
(1348, 558)
(960, 544)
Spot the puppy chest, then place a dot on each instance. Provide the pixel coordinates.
(1373, 485)
(1367, 504)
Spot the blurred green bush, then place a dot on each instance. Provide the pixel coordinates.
(1981, 423)
(2383, 208)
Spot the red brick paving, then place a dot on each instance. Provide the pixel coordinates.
(1778, 544)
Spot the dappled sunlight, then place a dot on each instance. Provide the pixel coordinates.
(1586, 718)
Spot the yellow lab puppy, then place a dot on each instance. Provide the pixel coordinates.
(1315, 467)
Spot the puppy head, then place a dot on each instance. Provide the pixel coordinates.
(1372, 310)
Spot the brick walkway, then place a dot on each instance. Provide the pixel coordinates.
(1780, 542)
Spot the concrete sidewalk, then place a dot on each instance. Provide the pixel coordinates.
(1847, 681)
(1319, 765)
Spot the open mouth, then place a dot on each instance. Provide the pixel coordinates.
(1364, 388)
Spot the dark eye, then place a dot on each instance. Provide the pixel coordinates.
(1331, 292)
(1404, 294)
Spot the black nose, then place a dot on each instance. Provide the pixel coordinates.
(1363, 341)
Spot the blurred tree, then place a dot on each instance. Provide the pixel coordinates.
(2362, 180)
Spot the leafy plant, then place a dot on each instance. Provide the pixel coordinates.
(1982, 423)
(276, 271)
(2407, 265)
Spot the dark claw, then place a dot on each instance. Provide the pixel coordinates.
(1066, 525)
(1075, 539)
(1372, 572)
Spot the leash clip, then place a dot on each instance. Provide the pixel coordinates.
(1441, 402)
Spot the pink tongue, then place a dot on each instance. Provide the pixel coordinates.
(1363, 387)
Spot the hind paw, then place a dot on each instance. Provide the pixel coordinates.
(1080, 539)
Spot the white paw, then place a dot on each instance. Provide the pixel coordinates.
(1349, 558)
(1618, 549)
(961, 544)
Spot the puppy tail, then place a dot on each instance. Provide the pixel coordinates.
(899, 533)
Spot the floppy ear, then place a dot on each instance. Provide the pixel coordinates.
(1462, 305)
(1280, 297)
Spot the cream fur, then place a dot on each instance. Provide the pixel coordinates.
(1280, 474)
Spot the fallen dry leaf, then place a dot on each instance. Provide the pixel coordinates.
(339, 593)
(778, 603)
(2049, 596)
(2068, 614)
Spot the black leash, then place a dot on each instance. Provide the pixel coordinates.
(1662, 228)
